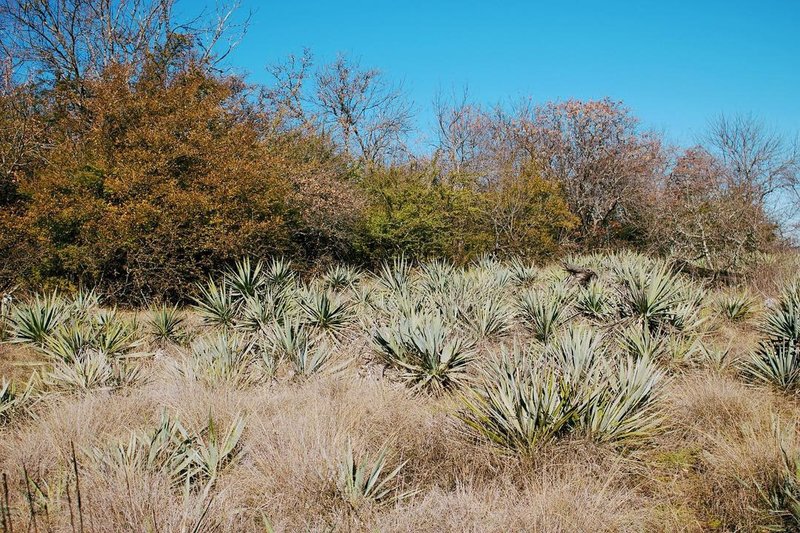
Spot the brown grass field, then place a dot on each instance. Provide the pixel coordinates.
(259, 429)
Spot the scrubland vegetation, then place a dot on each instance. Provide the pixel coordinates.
(616, 394)
(229, 306)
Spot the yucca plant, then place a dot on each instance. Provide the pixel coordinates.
(395, 276)
(519, 406)
(649, 295)
(32, 321)
(13, 400)
(436, 275)
(782, 496)
(324, 310)
(216, 304)
(114, 335)
(736, 306)
(166, 325)
(638, 341)
(778, 365)
(367, 480)
(310, 357)
(258, 312)
(287, 338)
(246, 278)
(84, 302)
(279, 274)
(624, 409)
(543, 311)
(428, 354)
(221, 358)
(487, 318)
(777, 358)
(168, 448)
(92, 370)
(340, 276)
(215, 448)
(523, 273)
(593, 300)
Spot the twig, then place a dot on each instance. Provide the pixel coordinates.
(77, 486)
(7, 526)
(30, 499)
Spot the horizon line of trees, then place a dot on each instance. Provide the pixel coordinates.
(133, 159)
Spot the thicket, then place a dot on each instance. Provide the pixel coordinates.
(135, 161)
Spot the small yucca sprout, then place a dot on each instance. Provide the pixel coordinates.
(245, 278)
(428, 354)
(326, 311)
(32, 321)
(165, 324)
(736, 306)
(543, 311)
(216, 304)
(366, 480)
(340, 276)
(649, 295)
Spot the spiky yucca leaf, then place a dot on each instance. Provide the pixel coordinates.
(487, 317)
(649, 295)
(593, 301)
(279, 274)
(395, 276)
(778, 365)
(638, 341)
(365, 479)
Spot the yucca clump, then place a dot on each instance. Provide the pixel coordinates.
(166, 325)
(32, 321)
(325, 310)
(736, 306)
(545, 310)
(574, 386)
(777, 358)
(429, 354)
(222, 358)
(188, 458)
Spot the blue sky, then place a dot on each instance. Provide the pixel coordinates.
(676, 63)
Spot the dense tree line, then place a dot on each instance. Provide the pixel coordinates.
(131, 158)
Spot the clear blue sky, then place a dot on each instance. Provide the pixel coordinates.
(676, 63)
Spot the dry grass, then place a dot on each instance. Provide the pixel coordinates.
(700, 473)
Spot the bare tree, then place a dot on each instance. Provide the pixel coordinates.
(365, 113)
(463, 133)
(71, 40)
(595, 150)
